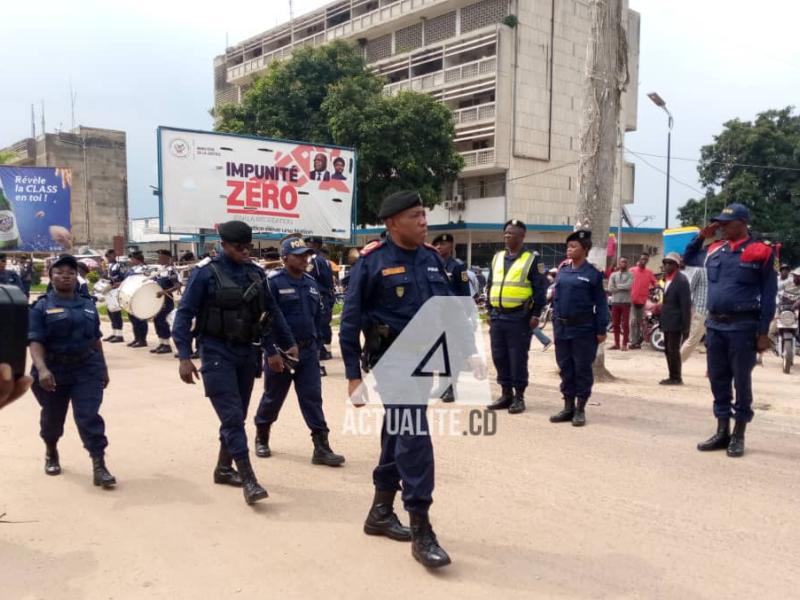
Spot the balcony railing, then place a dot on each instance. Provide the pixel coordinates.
(478, 158)
(423, 83)
(474, 114)
(262, 62)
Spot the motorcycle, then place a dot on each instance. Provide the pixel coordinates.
(652, 320)
(787, 328)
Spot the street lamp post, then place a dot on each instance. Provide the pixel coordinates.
(659, 102)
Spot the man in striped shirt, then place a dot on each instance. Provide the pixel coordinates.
(698, 286)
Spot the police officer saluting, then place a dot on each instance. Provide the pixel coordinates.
(742, 285)
(517, 293)
(68, 364)
(167, 279)
(232, 304)
(299, 300)
(322, 273)
(580, 321)
(389, 283)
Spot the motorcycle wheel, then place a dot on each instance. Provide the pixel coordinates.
(657, 339)
(788, 355)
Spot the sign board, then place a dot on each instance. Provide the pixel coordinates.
(35, 209)
(208, 178)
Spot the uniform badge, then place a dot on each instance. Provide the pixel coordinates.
(393, 271)
(464, 277)
(54, 311)
(400, 290)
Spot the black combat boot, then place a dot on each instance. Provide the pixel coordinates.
(382, 519)
(504, 401)
(224, 473)
(262, 441)
(51, 464)
(736, 446)
(720, 440)
(323, 455)
(518, 404)
(579, 418)
(566, 414)
(424, 546)
(324, 353)
(253, 492)
(102, 477)
(448, 395)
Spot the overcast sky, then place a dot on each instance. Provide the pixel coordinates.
(137, 65)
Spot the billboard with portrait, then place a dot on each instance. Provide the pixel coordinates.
(207, 178)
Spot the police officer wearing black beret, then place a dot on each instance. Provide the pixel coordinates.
(230, 299)
(389, 283)
(69, 366)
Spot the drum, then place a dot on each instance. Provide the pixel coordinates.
(102, 287)
(139, 296)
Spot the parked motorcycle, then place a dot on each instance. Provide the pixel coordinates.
(787, 328)
(652, 320)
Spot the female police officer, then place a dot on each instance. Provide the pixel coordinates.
(580, 320)
(68, 364)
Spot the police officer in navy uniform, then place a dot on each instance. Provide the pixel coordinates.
(389, 283)
(115, 275)
(10, 277)
(230, 299)
(68, 365)
(517, 294)
(580, 321)
(321, 271)
(140, 328)
(299, 300)
(742, 287)
(167, 279)
(459, 283)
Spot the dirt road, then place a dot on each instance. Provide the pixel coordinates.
(624, 508)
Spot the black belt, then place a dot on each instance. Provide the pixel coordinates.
(71, 358)
(579, 320)
(508, 311)
(734, 317)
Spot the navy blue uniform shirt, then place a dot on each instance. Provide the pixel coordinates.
(579, 296)
(64, 326)
(457, 273)
(299, 301)
(322, 273)
(200, 286)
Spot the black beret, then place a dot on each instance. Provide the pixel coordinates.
(164, 252)
(235, 232)
(137, 254)
(65, 260)
(515, 223)
(398, 202)
(444, 237)
(582, 235)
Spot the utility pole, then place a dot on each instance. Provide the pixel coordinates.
(605, 78)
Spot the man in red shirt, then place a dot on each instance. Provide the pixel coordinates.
(643, 280)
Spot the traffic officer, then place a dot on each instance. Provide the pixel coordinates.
(321, 271)
(580, 321)
(10, 277)
(517, 294)
(137, 267)
(231, 302)
(68, 364)
(115, 275)
(742, 286)
(459, 283)
(299, 300)
(167, 279)
(389, 283)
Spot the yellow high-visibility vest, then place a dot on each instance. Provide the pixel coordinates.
(511, 289)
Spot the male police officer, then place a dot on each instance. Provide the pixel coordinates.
(459, 283)
(388, 284)
(167, 279)
(322, 273)
(231, 301)
(115, 275)
(742, 285)
(517, 293)
(137, 267)
(299, 300)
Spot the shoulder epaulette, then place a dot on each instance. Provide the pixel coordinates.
(371, 247)
(757, 251)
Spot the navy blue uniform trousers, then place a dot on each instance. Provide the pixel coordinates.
(574, 357)
(116, 319)
(139, 328)
(83, 385)
(307, 384)
(731, 356)
(228, 372)
(510, 341)
(160, 320)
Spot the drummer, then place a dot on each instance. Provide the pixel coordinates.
(68, 365)
(137, 267)
(115, 275)
(167, 278)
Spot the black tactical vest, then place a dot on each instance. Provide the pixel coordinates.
(233, 313)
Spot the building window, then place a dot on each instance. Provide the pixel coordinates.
(482, 14)
(408, 38)
(379, 48)
(440, 28)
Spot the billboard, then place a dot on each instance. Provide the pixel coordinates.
(275, 186)
(35, 209)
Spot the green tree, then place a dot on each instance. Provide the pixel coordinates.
(6, 156)
(756, 164)
(328, 95)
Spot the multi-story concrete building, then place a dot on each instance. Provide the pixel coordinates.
(98, 160)
(512, 72)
